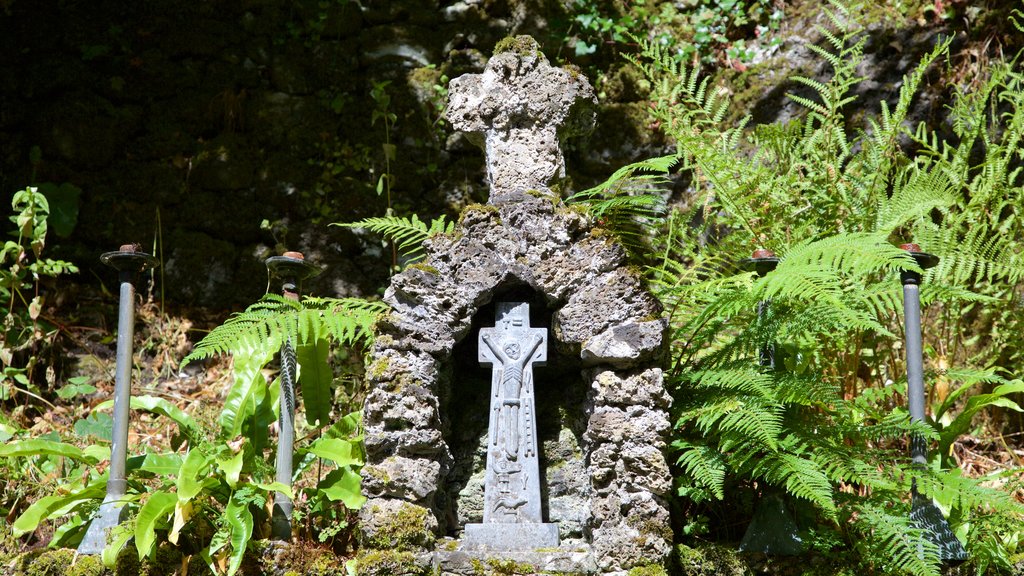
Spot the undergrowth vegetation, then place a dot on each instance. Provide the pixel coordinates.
(825, 422)
(786, 383)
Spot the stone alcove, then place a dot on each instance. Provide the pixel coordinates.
(562, 415)
(601, 315)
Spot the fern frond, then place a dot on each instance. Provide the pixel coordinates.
(407, 234)
(906, 546)
(800, 477)
(705, 466)
(347, 321)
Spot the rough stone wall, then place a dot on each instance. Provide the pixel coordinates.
(600, 313)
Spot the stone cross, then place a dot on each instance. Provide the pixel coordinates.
(523, 108)
(512, 507)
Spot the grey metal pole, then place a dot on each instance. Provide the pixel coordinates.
(128, 262)
(291, 268)
(923, 512)
(912, 337)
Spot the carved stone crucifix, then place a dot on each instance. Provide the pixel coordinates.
(520, 109)
(512, 506)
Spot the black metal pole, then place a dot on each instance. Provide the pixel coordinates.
(763, 261)
(923, 512)
(773, 530)
(127, 262)
(291, 268)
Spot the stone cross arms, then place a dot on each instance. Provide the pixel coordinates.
(524, 108)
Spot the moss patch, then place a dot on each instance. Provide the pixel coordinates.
(60, 562)
(503, 566)
(523, 45)
(711, 560)
(649, 570)
(485, 211)
(388, 563)
(301, 558)
(427, 268)
(401, 531)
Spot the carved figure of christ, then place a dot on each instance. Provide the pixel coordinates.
(512, 347)
(505, 433)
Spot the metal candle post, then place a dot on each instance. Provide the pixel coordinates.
(763, 261)
(292, 269)
(773, 530)
(923, 513)
(127, 262)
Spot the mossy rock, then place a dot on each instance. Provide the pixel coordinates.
(300, 558)
(503, 567)
(522, 45)
(59, 562)
(388, 563)
(423, 267)
(401, 529)
(711, 560)
(483, 210)
(649, 570)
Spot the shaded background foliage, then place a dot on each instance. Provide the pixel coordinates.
(231, 130)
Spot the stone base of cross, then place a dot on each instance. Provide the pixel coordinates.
(512, 506)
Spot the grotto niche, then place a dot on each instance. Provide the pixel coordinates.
(528, 314)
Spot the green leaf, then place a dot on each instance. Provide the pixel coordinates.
(97, 452)
(162, 407)
(193, 472)
(240, 523)
(36, 447)
(77, 386)
(341, 452)
(162, 464)
(64, 202)
(98, 425)
(315, 378)
(232, 467)
(960, 424)
(70, 532)
(275, 487)
(119, 536)
(29, 520)
(345, 485)
(242, 400)
(49, 507)
(153, 512)
(346, 427)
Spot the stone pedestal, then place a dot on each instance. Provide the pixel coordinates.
(456, 559)
(528, 536)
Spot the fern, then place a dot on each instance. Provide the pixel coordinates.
(407, 234)
(824, 425)
(624, 203)
(894, 537)
(345, 320)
